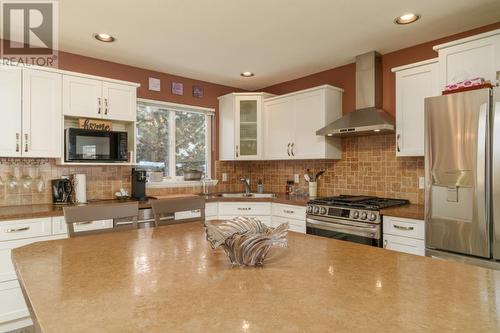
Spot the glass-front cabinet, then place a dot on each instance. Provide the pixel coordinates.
(240, 126)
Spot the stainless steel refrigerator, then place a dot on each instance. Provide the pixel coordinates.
(462, 175)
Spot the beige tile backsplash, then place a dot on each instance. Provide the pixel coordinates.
(368, 166)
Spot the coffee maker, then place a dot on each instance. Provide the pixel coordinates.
(139, 184)
(61, 191)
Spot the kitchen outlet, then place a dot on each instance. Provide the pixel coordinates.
(421, 183)
(225, 177)
(296, 179)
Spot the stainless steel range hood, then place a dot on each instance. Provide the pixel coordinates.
(368, 118)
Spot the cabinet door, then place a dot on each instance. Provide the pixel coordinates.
(308, 116)
(413, 85)
(119, 101)
(248, 119)
(278, 127)
(82, 97)
(404, 244)
(42, 114)
(478, 58)
(10, 104)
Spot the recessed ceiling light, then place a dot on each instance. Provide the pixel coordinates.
(406, 18)
(247, 74)
(107, 38)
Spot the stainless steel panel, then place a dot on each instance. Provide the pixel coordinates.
(486, 263)
(363, 230)
(456, 167)
(495, 172)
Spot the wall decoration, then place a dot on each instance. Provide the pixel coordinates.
(154, 84)
(95, 124)
(177, 88)
(198, 91)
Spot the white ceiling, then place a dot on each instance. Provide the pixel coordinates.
(279, 40)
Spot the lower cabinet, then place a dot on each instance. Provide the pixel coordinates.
(404, 235)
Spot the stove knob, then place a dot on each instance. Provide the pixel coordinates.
(372, 217)
(355, 214)
(322, 211)
(315, 210)
(364, 215)
(309, 209)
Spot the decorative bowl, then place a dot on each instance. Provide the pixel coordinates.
(246, 241)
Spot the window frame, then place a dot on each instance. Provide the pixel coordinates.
(173, 108)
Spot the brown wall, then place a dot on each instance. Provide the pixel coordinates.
(344, 76)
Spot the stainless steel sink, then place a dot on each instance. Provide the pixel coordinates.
(249, 196)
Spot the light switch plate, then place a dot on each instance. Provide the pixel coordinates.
(296, 179)
(421, 183)
(225, 177)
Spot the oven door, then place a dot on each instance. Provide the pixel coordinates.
(357, 232)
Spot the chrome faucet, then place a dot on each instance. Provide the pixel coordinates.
(246, 182)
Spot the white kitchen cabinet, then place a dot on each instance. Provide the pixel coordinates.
(42, 114)
(93, 98)
(244, 208)
(291, 122)
(468, 58)
(293, 224)
(11, 106)
(14, 313)
(211, 211)
(414, 83)
(404, 235)
(240, 126)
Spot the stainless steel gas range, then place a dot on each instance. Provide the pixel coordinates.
(350, 218)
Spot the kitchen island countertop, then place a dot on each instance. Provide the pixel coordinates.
(168, 279)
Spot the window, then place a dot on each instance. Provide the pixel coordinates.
(172, 138)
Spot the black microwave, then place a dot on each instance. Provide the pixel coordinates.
(83, 145)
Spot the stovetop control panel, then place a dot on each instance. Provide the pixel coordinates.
(354, 214)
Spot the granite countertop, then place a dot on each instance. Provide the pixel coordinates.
(48, 210)
(168, 279)
(410, 211)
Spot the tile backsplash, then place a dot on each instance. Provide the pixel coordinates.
(369, 166)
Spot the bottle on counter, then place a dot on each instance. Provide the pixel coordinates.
(289, 187)
(260, 186)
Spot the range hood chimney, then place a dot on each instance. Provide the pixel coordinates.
(368, 118)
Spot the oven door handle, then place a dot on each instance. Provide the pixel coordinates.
(370, 231)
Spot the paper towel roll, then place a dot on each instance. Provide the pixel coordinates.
(80, 188)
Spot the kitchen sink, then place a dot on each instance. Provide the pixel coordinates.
(249, 196)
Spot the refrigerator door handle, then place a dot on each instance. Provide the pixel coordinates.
(481, 168)
(495, 172)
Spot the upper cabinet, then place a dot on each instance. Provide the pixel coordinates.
(240, 126)
(414, 83)
(291, 122)
(467, 58)
(86, 97)
(31, 108)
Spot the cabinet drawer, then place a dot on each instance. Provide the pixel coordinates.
(289, 211)
(404, 227)
(293, 225)
(264, 219)
(60, 227)
(211, 209)
(404, 244)
(20, 229)
(12, 306)
(244, 208)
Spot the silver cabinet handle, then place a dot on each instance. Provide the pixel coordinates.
(400, 227)
(292, 146)
(287, 211)
(397, 143)
(237, 151)
(99, 108)
(288, 149)
(106, 106)
(244, 208)
(80, 223)
(17, 230)
(17, 142)
(26, 142)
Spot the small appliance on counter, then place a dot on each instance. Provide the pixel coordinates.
(61, 191)
(139, 184)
